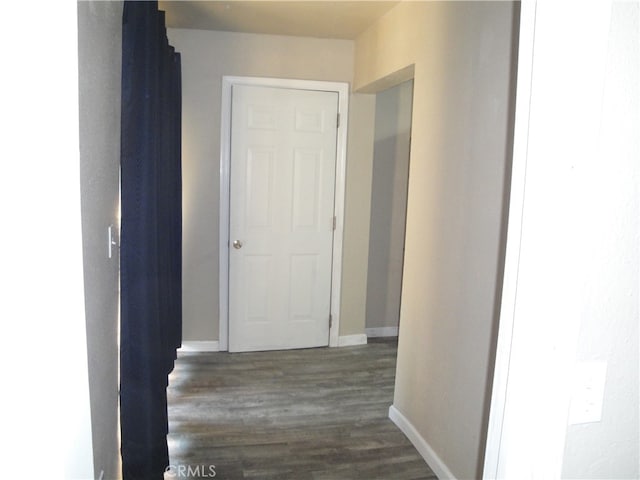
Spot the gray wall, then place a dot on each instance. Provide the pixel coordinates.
(355, 252)
(388, 205)
(206, 57)
(100, 51)
(463, 88)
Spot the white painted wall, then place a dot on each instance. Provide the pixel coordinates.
(574, 296)
(388, 205)
(611, 309)
(100, 57)
(206, 57)
(462, 56)
(45, 414)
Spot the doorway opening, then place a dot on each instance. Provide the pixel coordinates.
(389, 191)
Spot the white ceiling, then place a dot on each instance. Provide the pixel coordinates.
(322, 19)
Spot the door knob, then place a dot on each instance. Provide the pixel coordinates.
(237, 244)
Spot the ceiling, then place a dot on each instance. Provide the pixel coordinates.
(321, 19)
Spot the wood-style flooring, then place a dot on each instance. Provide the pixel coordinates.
(316, 414)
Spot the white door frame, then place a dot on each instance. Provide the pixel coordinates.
(342, 89)
(513, 449)
(514, 233)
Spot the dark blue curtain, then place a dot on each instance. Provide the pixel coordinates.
(150, 253)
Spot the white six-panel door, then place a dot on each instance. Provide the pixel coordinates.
(282, 180)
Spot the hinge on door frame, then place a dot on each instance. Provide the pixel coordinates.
(338, 121)
(330, 321)
(335, 222)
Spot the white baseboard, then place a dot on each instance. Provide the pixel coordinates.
(200, 346)
(214, 346)
(381, 332)
(423, 447)
(351, 340)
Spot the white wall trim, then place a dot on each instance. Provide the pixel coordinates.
(342, 89)
(527, 344)
(352, 340)
(514, 233)
(200, 346)
(381, 332)
(424, 449)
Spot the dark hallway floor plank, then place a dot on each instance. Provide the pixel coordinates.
(317, 414)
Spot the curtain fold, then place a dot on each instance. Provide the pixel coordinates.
(151, 219)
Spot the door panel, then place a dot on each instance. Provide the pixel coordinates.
(306, 187)
(258, 191)
(283, 157)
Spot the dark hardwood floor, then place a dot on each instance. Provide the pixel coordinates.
(317, 414)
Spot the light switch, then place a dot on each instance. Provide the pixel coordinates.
(111, 240)
(587, 392)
